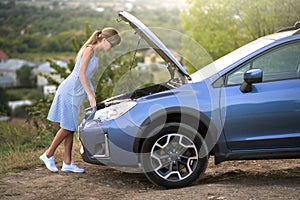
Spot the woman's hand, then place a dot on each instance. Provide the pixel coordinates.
(92, 100)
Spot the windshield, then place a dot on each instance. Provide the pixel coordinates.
(227, 60)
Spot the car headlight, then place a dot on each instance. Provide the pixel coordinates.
(114, 111)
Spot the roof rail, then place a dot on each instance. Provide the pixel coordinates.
(297, 32)
(291, 28)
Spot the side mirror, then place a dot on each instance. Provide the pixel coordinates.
(251, 76)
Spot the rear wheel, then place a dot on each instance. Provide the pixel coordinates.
(175, 156)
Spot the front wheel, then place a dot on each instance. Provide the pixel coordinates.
(175, 156)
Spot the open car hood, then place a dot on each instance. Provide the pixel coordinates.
(153, 41)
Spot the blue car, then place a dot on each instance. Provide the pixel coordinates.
(245, 105)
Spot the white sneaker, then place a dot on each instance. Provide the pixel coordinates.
(71, 168)
(49, 162)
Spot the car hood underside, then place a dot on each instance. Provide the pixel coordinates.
(138, 93)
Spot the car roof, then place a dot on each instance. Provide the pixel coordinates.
(282, 34)
(240, 53)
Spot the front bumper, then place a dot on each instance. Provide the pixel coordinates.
(108, 143)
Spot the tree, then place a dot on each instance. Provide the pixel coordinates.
(4, 108)
(26, 77)
(221, 26)
(111, 81)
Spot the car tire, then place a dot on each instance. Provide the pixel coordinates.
(174, 156)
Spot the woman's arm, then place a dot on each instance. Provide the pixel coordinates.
(87, 55)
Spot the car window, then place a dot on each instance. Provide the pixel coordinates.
(280, 63)
(237, 77)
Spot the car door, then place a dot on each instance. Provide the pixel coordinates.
(268, 116)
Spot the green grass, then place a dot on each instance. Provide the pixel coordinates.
(22, 144)
(18, 147)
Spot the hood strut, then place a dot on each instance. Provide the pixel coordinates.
(134, 55)
(153, 41)
(133, 59)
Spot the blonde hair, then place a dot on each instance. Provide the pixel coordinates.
(110, 34)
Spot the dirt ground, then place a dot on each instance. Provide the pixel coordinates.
(268, 179)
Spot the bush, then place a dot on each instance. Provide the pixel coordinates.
(20, 136)
(38, 117)
(20, 112)
(23, 94)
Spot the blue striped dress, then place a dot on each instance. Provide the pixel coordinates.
(70, 94)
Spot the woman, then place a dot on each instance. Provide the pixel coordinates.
(70, 94)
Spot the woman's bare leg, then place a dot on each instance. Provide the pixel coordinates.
(59, 137)
(68, 148)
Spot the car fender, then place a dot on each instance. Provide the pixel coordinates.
(197, 120)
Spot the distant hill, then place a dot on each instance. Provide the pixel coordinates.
(48, 26)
